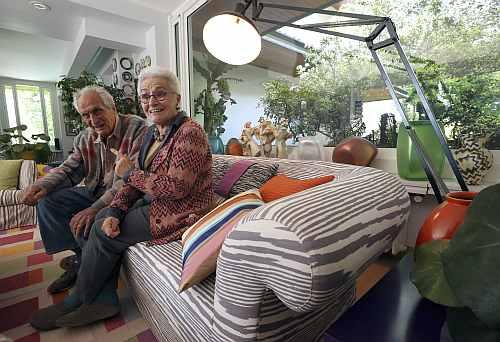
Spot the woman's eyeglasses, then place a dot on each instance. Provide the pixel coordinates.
(159, 96)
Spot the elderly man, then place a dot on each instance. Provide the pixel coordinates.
(66, 211)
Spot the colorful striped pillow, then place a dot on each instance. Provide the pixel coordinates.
(203, 240)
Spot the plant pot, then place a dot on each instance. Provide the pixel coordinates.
(408, 161)
(474, 159)
(216, 144)
(39, 152)
(445, 219)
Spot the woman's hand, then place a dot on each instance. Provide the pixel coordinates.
(111, 227)
(123, 164)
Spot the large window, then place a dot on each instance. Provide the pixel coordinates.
(331, 88)
(29, 104)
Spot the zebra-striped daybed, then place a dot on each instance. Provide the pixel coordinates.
(287, 271)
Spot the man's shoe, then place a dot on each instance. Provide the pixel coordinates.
(88, 313)
(64, 282)
(45, 319)
(71, 262)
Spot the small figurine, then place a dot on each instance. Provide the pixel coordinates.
(282, 135)
(265, 133)
(250, 147)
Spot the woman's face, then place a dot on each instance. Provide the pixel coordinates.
(158, 100)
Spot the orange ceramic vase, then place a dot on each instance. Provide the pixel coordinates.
(444, 220)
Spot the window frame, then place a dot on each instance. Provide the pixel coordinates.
(42, 86)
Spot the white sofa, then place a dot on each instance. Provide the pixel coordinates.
(287, 271)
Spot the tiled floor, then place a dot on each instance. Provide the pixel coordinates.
(393, 311)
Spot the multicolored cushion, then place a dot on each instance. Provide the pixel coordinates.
(281, 186)
(9, 176)
(203, 240)
(232, 178)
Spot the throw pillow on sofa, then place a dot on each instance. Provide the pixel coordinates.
(9, 177)
(232, 178)
(203, 240)
(281, 186)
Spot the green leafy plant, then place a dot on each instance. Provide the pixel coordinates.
(213, 100)
(320, 100)
(463, 273)
(36, 149)
(69, 86)
(463, 104)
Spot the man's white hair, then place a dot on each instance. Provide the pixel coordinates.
(157, 71)
(105, 96)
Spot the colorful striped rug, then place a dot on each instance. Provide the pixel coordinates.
(25, 273)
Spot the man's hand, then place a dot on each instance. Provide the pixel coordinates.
(82, 221)
(123, 164)
(111, 227)
(33, 194)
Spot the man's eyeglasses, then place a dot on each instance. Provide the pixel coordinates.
(160, 96)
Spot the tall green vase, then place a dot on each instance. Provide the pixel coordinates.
(409, 164)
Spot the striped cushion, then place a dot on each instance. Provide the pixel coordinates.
(203, 240)
(252, 178)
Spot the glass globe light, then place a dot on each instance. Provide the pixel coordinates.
(232, 38)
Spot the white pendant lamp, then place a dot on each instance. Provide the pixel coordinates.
(232, 38)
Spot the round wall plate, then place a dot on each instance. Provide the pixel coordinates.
(127, 76)
(126, 63)
(128, 90)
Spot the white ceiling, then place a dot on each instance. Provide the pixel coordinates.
(34, 44)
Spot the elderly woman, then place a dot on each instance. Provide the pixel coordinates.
(167, 191)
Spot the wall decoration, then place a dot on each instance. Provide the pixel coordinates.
(126, 63)
(128, 90)
(147, 61)
(70, 129)
(143, 63)
(137, 69)
(115, 80)
(114, 64)
(127, 76)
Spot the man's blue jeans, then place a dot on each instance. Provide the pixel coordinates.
(54, 213)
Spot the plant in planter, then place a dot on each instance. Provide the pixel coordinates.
(38, 149)
(69, 86)
(462, 273)
(215, 97)
(467, 107)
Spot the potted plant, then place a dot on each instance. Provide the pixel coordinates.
(466, 105)
(69, 85)
(214, 99)
(37, 150)
(461, 271)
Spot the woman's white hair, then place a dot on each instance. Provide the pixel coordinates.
(106, 97)
(156, 71)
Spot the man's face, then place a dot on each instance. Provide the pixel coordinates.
(95, 115)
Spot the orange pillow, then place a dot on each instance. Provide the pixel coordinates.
(281, 186)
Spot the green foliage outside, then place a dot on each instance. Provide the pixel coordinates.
(216, 96)
(69, 86)
(320, 101)
(453, 47)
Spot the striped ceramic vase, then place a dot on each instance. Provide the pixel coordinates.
(474, 159)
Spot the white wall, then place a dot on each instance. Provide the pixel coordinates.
(246, 93)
